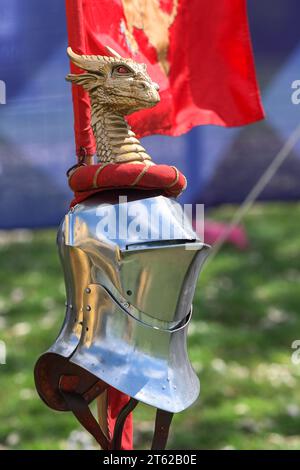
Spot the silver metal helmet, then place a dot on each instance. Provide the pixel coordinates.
(131, 268)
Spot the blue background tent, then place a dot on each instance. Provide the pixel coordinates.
(36, 135)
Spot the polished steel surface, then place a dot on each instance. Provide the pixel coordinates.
(90, 218)
(76, 269)
(145, 270)
(129, 297)
(148, 364)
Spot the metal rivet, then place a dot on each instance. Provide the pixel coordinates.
(129, 292)
(174, 387)
(88, 308)
(88, 290)
(163, 387)
(71, 306)
(168, 379)
(126, 304)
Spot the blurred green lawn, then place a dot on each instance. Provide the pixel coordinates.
(246, 316)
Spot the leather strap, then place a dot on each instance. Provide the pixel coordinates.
(161, 431)
(78, 404)
(84, 415)
(116, 441)
(82, 412)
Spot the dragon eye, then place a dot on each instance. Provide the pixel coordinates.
(121, 69)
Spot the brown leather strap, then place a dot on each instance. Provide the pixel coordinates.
(116, 441)
(81, 411)
(161, 432)
(78, 404)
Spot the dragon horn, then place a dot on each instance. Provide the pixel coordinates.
(85, 62)
(113, 52)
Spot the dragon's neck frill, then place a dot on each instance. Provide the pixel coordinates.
(115, 140)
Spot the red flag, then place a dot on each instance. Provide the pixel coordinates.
(198, 51)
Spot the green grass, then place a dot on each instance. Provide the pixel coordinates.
(246, 316)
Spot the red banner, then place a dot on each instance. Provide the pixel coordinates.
(198, 51)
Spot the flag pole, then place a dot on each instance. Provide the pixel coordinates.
(84, 138)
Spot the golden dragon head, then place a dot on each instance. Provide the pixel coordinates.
(115, 83)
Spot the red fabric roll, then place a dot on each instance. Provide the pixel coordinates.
(88, 180)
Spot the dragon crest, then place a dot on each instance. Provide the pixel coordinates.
(117, 87)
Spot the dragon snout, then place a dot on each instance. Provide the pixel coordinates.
(148, 85)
